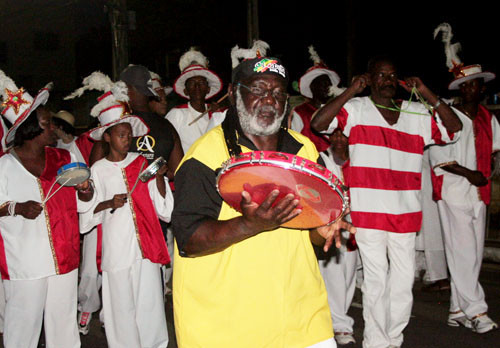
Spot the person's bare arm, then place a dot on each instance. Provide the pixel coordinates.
(475, 177)
(213, 236)
(324, 116)
(175, 155)
(450, 120)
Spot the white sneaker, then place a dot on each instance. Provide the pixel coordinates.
(83, 322)
(455, 319)
(343, 338)
(483, 324)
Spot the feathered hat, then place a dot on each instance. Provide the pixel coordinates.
(112, 107)
(158, 85)
(462, 73)
(18, 104)
(319, 68)
(254, 61)
(194, 63)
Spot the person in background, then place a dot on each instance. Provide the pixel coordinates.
(315, 85)
(197, 84)
(338, 266)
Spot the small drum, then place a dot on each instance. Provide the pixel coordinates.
(72, 174)
(321, 194)
(152, 169)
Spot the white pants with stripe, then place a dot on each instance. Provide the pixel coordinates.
(2, 305)
(90, 279)
(339, 274)
(51, 300)
(133, 307)
(464, 231)
(388, 267)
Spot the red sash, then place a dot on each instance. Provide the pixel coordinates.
(84, 144)
(483, 138)
(305, 111)
(61, 213)
(150, 236)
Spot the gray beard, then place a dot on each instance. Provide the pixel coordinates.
(249, 122)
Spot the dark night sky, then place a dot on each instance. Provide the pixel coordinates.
(403, 30)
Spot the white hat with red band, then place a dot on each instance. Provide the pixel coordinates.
(158, 84)
(462, 73)
(319, 68)
(194, 63)
(112, 107)
(18, 104)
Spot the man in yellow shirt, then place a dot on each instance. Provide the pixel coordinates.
(240, 280)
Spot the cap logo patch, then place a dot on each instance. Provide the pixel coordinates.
(271, 65)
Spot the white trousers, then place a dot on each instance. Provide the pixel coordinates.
(339, 274)
(464, 231)
(167, 269)
(133, 307)
(388, 267)
(90, 279)
(51, 300)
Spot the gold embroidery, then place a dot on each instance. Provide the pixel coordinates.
(49, 230)
(131, 203)
(5, 204)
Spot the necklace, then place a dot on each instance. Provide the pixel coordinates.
(398, 109)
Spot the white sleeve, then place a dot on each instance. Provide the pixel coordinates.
(163, 205)
(296, 124)
(495, 127)
(440, 156)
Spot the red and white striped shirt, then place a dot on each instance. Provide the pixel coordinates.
(386, 163)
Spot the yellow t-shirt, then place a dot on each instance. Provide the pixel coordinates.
(265, 291)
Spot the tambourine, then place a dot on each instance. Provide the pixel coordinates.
(321, 194)
(73, 174)
(70, 174)
(152, 169)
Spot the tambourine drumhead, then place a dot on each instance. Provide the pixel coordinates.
(152, 169)
(72, 174)
(320, 194)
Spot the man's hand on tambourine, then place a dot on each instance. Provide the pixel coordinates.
(333, 232)
(265, 217)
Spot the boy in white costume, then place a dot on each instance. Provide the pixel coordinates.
(133, 246)
(338, 268)
(39, 240)
(463, 190)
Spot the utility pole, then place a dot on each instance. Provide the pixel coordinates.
(117, 12)
(252, 21)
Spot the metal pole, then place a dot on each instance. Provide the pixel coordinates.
(252, 21)
(117, 10)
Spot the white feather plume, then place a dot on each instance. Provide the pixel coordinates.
(154, 76)
(6, 83)
(97, 80)
(192, 57)
(259, 48)
(314, 55)
(451, 50)
(119, 92)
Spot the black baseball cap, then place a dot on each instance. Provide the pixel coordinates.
(139, 77)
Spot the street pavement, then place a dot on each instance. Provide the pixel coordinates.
(427, 327)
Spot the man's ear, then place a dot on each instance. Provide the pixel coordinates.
(105, 137)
